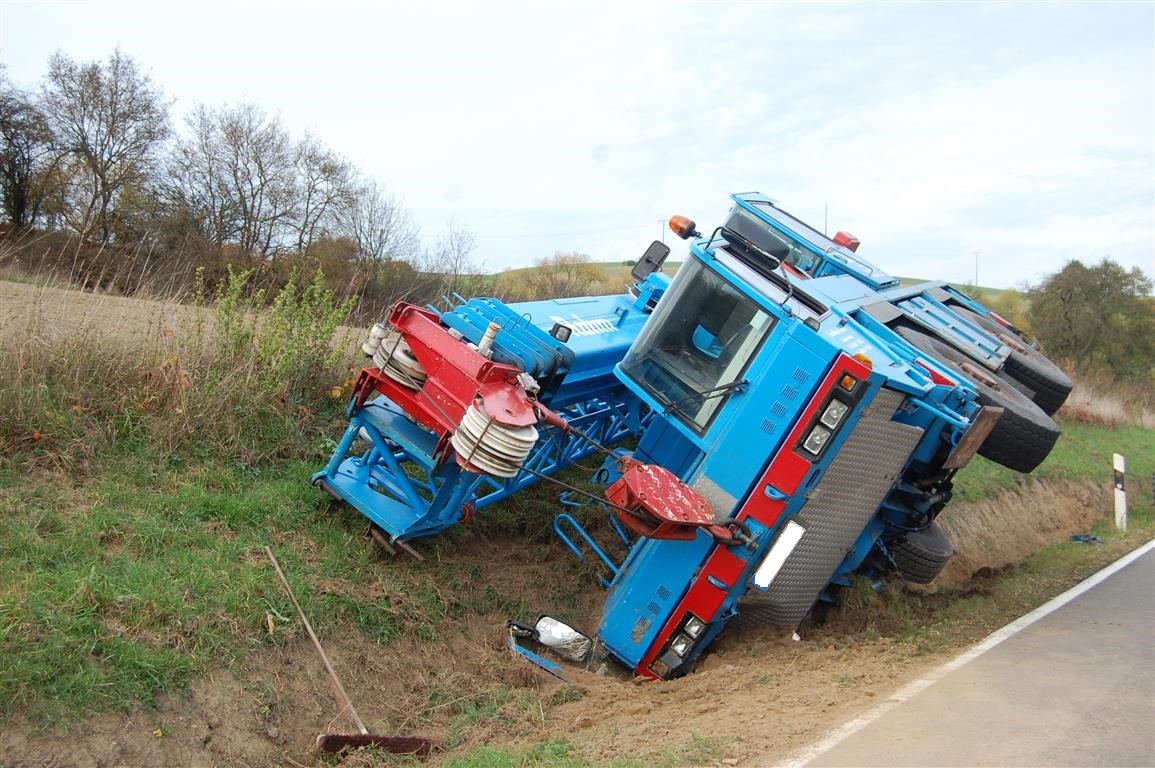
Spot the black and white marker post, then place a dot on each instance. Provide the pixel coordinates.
(1120, 493)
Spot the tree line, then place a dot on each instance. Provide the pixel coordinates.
(1100, 318)
(97, 182)
(99, 188)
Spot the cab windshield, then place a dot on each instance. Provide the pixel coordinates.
(695, 349)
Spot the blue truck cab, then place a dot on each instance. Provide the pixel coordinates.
(946, 325)
(819, 438)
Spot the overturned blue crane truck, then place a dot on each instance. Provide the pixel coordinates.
(796, 418)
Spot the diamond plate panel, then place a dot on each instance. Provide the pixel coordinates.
(722, 502)
(836, 511)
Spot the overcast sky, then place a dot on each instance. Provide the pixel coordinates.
(1015, 136)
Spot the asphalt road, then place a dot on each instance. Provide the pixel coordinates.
(1072, 685)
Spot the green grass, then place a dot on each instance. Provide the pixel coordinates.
(137, 564)
(694, 751)
(146, 576)
(550, 753)
(1083, 452)
(129, 583)
(127, 591)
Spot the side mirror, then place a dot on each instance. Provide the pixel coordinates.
(562, 638)
(651, 260)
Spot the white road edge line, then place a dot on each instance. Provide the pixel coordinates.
(857, 724)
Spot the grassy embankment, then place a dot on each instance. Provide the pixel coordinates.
(140, 480)
(139, 484)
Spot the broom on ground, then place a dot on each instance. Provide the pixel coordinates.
(335, 742)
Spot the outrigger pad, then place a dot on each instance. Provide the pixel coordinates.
(402, 745)
(653, 502)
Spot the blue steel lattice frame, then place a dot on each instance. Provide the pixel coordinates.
(408, 485)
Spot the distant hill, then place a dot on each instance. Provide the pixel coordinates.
(982, 293)
(616, 274)
(615, 270)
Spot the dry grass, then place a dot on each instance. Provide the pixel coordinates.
(84, 374)
(993, 533)
(1111, 404)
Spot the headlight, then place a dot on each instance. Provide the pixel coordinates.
(694, 627)
(681, 644)
(817, 438)
(834, 412)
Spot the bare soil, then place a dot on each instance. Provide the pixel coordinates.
(756, 699)
(759, 696)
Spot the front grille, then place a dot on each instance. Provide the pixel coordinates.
(836, 511)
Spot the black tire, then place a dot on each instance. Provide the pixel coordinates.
(1031, 368)
(1024, 435)
(920, 556)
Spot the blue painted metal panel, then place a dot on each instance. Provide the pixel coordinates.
(839, 289)
(404, 486)
(974, 341)
(835, 270)
(756, 422)
(602, 329)
(649, 585)
(664, 444)
(792, 358)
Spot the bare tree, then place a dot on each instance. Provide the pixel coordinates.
(28, 156)
(235, 175)
(110, 120)
(196, 188)
(381, 226)
(325, 186)
(259, 169)
(452, 258)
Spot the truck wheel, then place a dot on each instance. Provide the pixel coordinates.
(920, 556)
(1030, 367)
(1023, 435)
